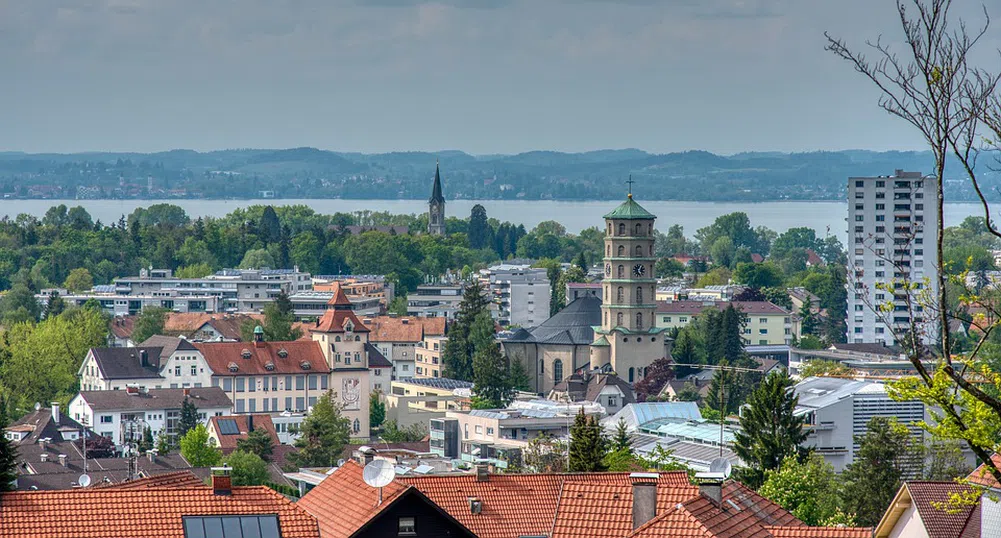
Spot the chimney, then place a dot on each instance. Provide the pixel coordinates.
(187, 392)
(482, 472)
(41, 444)
(712, 490)
(44, 457)
(644, 497)
(250, 423)
(143, 358)
(365, 455)
(151, 454)
(221, 481)
(62, 460)
(55, 412)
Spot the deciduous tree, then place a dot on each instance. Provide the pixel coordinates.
(148, 323)
(248, 469)
(198, 450)
(257, 442)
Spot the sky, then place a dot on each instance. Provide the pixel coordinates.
(482, 76)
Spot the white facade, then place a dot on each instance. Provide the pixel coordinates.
(111, 422)
(184, 368)
(521, 294)
(892, 232)
(437, 300)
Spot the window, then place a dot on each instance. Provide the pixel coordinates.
(880, 207)
(639, 295)
(557, 370)
(618, 319)
(667, 319)
(859, 184)
(407, 526)
(106, 419)
(312, 381)
(622, 229)
(859, 218)
(620, 294)
(490, 431)
(194, 370)
(632, 374)
(300, 404)
(859, 207)
(300, 382)
(479, 429)
(611, 401)
(621, 250)
(639, 320)
(880, 218)
(639, 251)
(858, 308)
(880, 183)
(762, 331)
(177, 370)
(621, 271)
(240, 384)
(356, 426)
(683, 319)
(288, 403)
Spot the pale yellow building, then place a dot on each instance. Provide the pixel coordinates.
(427, 356)
(765, 322)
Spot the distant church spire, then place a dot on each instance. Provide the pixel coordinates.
(436, 205)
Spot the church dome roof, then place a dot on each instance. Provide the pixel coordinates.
(630, 210)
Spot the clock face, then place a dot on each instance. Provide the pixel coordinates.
(639, 269)
(608, 269)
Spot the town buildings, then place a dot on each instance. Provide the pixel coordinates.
(520, 293)
(603, 388)
(889, 231)
(312, 303)
(121, 415)
(359, 286)
(159, 362)
(764, 323)
(576, 290)
(427, 356)
(435, 300)
(401, 338)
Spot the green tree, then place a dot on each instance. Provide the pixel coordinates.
(257, 259)
(758, 275)
(79, 280)
(197, 270)
(668, 268)
(717, 276)
(810, 490)
(518, 375)
(884, 458)
(149, 323)
(198, 450)
(809, 324)
(393, 433)
(55, 306)
(8, 451)
(376, 409)
(248, 469)
(479, 229)
(546, 454)
(324, 434)
(146, 443)
(189, 417)
(620, 441)
(398, 306)
(269, 226)
(588, 445)
(279, 319)
(770, 431)
(491, 382)
(257, 442)
(573, 274)
(19, 303)
(823, 368)
(471, 330)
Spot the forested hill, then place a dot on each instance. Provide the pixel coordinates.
(314, 173)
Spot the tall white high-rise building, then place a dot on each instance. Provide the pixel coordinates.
(892, 232)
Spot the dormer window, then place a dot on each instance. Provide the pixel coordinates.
(245, 353)
(305, 365)
(283, 353)
(348, 326)
(233, 367)
(269, 366)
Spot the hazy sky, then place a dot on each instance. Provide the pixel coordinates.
(484, 76)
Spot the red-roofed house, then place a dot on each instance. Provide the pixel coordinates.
(923, 510)
(166, 512)
(399, 337)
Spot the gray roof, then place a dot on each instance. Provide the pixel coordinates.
(168, 344)
(817, 392)
(124, 362)
(154, 399)
(636, 414)
(570, 326)
(375, 357)
(439, 383)
(42, 425)
(587, 386)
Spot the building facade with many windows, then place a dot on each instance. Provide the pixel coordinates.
(892, 224)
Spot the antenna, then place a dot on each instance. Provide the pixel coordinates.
(84, 480)
(721, 466)
(378, 474)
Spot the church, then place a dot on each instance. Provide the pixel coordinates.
(436, 206)
(619, 333)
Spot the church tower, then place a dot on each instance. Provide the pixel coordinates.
(628, 339)
(436, 206)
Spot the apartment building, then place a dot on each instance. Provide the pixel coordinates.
(159, 362)
(765, 323)
(519, 292)
(238, 290)
(889, 230)
(400, 339)
(427, 356)
(495, 435)
(121, 415)
(435, 300)
(357, 286)
(115, 303)
(313, 303)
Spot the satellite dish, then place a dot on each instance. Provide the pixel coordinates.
(84, 480)
(379, 473)
(722, 466)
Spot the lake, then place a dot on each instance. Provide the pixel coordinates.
(779, 216)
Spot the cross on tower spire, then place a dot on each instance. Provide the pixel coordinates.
(630, 183)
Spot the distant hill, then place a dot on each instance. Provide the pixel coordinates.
(593, 175)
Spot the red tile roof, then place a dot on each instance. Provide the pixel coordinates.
(983, 477)
(227, 442)
(726, 521)
(122, 326)
(820, 532)
(675, 523)
(139, 513)
(220, 355)
(342, 503)
(939, 521)
(177, 479)
(334, 318)
(406, 329)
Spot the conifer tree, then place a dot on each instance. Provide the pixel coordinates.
(325, 432)
(8, 453)
(491, 382)
(588, 445)
(770, 431)
(885, 456)
(189, 417)
(621, 439)
(473, 329)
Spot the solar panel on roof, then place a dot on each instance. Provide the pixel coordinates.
(228, 427)
(263, 526)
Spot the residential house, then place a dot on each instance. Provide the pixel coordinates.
(159, 362)
(343, 341)
(435, 300)
(225, 430)
(121, 415)
(498, 436)
(800, 296)
(921, 509)
(605, 389)
(427, 356)
(574, 505)
(765, 323)
(165, 510)
(120, 331)
(268, 377)
(399, 339)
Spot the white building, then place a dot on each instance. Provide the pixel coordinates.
(838, 410)
(435, 300)
(121, 415)
(891, 223)
(158, 363)
(521, 294)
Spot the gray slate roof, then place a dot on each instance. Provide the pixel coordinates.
(168, 344)
(570, 326)
(154, 399)
(375, 357)
(124, 362)
(439, 383)
(44, 427)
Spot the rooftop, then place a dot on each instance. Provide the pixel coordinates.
(410, 329)
(443, 383)
(570, 326)
(155, 399)
(696, 307)
(630, 210)
(264, 358)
